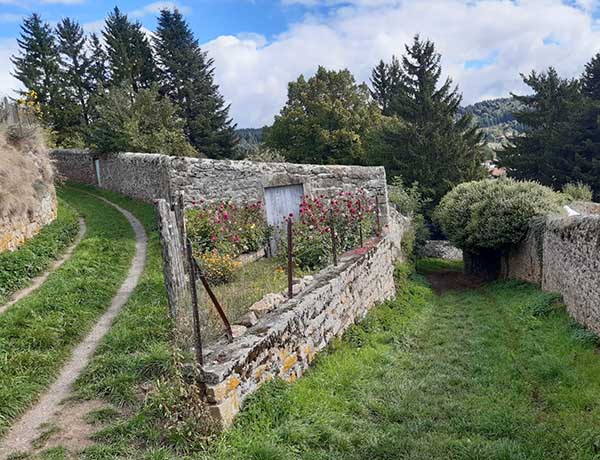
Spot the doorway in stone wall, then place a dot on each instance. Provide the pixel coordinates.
(279, 203)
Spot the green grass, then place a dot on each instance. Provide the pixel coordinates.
(136, 349)
(18, 267)
(498, 372)
(38, 333)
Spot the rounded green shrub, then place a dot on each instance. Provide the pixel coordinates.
(493, 213)
(578, 192)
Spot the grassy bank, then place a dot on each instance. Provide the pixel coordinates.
(38, 332)
(18, 267)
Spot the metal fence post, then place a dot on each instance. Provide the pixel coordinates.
(333, 239)
(195, 314)
(360, 233)
(290, 258)
(377, 214)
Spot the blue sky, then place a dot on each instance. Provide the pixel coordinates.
(208, 18)
(260, 45)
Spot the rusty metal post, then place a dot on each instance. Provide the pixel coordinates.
(377, 216)
(360, 233)
(195, 313)
(333, 239)
(290, 258)
(215, 301)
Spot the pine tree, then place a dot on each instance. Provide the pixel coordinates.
(386, 80)
(547, 151)
(590, 80)
(97, 71)
(37, 66)
(186, 76)
(75, 68)
(129, 53)
(431, 145)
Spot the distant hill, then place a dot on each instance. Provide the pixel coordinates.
(249, 139)
(495, 117)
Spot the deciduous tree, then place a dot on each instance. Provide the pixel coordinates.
(324, 120)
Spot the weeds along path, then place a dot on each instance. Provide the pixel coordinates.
(39, 280)
(110, 238)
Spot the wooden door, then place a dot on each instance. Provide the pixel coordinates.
(279, 203)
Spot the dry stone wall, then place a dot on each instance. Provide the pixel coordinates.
(564, 257)
(74, 165)
(151, 176)
(290, 333)
(17, 228)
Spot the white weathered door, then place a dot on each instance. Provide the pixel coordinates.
(279, 203)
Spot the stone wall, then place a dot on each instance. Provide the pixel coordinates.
(150, 176)
(143, 176)
(75, 165)
(27, 194)
(564, 257)
(16, 229)
(289, 334)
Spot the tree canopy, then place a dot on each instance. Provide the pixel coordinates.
(74, 77)
(430, 144)
(324, 120)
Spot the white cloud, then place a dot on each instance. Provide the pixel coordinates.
(253, 74)
(8, 47)
(156, 7)
(254, 71)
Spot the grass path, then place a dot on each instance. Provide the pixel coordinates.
(36, 282)
(38, 333)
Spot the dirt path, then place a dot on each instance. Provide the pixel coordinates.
(29, 427)
(39, 280)
(451, 280)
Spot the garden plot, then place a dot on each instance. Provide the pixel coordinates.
(230, 243)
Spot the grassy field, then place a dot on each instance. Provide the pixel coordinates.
(38, 332)
(18, 267)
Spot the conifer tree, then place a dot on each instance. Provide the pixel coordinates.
(386, 80)
(590, 80)
(129, 53)
(186, 77)
(432, 145)
(37, 65)
(543, 153)
(97, 71)
(75, 68)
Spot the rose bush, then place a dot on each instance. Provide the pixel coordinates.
(350, 213)
(220, 232)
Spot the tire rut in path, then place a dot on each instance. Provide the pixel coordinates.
(40, 279)
(28, 428)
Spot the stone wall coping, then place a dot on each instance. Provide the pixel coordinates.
(224, 358)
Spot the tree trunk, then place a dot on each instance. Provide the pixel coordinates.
(484, 264)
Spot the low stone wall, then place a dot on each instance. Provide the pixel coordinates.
(16, 229)
(151, 176)
(289, 333)
(74, 165)
(564, 257)
(27, 193)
